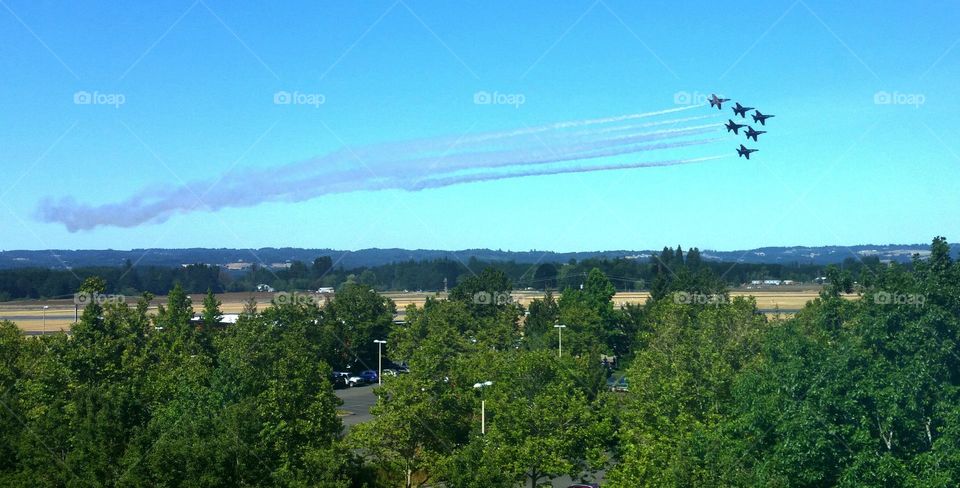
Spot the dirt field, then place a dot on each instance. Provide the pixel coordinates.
(29, 315)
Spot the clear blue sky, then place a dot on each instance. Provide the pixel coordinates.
(198, 80)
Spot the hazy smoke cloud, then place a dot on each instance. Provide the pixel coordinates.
(406, 165)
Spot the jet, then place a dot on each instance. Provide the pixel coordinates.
(759, 117)
(750, 133)
(741, 110)
(717, 102)
(731, 127)
(743, 152)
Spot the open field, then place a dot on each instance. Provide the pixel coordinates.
(29, 314)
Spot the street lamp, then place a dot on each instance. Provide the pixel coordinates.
(379, 344)
(560, 328)
(483, 405)
(45, 307)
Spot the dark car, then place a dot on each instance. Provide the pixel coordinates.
(339, 380)
(369, 376)
(584, 485)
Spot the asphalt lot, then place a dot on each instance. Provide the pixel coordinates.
(357, 401)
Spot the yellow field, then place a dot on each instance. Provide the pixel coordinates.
(29, 315)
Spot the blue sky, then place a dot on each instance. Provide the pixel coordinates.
(197, 80)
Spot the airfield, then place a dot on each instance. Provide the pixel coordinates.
(33, 319)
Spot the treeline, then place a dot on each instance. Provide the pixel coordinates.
(127, 280)
(625, 274)
(846, 393)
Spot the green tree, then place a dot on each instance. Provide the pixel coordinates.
(353, 319)
(538, 326)
(681, 394)
(211, 315)
(546, 276)
(540, 423)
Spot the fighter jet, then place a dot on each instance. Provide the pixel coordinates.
(731, 127)
(743, 152)
(741, 110)
(759, 117)
(750, 133)
(717, 102)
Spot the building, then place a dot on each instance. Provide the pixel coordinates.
(226, 319)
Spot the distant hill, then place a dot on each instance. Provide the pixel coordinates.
(60, 259)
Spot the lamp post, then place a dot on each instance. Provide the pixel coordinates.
(379, 344)
(560, 328)
(483, 406)
(45, 307)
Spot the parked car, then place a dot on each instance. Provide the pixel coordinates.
(369, 376)
(356, 380)
(390, 372)
(617, 384)
(339, 380)
(584, 485)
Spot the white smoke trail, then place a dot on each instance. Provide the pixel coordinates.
(399, 165)
(472, 178)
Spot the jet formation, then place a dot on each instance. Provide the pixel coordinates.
(750, 132)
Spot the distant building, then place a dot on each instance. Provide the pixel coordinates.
(772, 282)
(325, 290)
(238, 266)
(226, 319)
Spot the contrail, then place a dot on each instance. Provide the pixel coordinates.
(404, 165)
(444, 143)
(440, 182)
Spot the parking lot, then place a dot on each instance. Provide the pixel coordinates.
(356, 402)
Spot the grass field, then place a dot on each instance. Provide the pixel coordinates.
(29, 314)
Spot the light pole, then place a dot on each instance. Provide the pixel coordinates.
(483, 406)
(379, 344)
(45, 307)
(560, 328)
